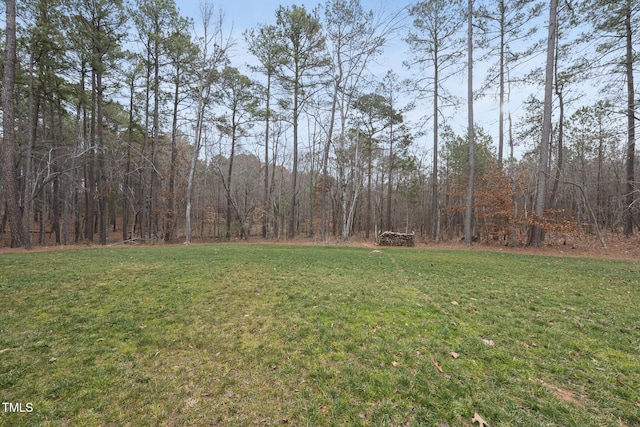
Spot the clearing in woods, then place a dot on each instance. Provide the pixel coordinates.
(317, 335)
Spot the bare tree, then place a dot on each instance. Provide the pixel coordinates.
(436, 45)
(182, 54)
(236, 96)
(506, 24)
(377, 114)
(354, 38)
(614, 29)
(303, 44)
(265, 47)
(214, 46)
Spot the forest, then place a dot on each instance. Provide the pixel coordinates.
(127, 121)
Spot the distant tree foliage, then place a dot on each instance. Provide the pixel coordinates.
(129, 122)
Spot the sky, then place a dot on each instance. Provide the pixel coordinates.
(248, 13)
(240, 15)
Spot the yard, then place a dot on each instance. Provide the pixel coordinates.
(299, 335)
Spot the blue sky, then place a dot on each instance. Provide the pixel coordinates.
(240, 15)
(248, 13)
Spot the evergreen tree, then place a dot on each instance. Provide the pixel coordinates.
(436, 52)
(303, 43)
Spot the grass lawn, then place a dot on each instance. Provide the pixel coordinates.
(250, 335)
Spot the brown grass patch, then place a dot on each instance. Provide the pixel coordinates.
(563, 394)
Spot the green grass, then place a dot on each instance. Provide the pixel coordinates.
(297, 335)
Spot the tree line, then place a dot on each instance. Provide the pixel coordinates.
(126, 121)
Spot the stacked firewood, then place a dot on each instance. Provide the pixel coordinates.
(391, 238)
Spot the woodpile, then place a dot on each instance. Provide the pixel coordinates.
(391, 238)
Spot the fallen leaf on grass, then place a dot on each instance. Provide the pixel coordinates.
(478, 419)
(53, 359)
(488, 342)
(142, 326)
(454, 303)
(191, 403)
(395, 364)
(454, 354)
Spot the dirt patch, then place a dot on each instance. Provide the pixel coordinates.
(563, 394)
(618, 246)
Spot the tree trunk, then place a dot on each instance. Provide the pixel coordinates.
(267, 203)
(347, 217)
(78, 142)
(560, 159)
(9, 137)
(127, 172)
(435, 209)
(369, 173)
(55, 202)
(155, 140)
(194, 161)
(171, 208)
(294, 171)
(102, 174)
(325, 162)
(43, 210)
(144, 197)
(502, 90)
(390, 178)
(228, 183)
(631, 130)
(541, 188)
(34, 111)
(90, 177)
(512, 178)
(468, 220)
